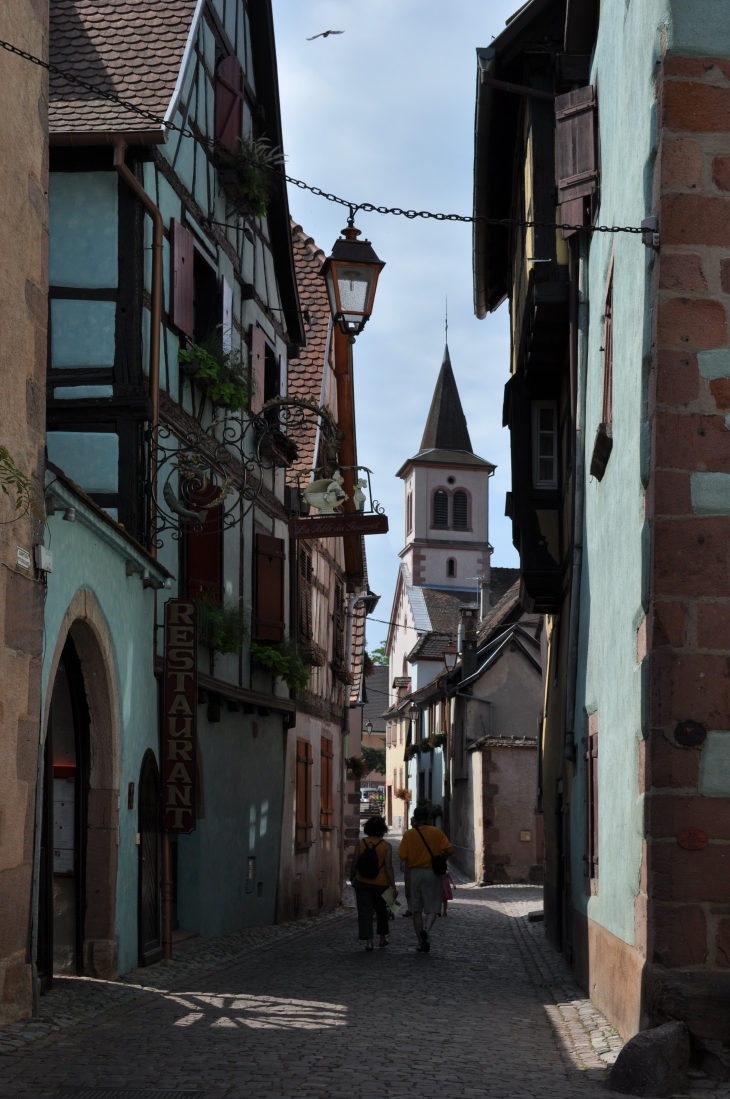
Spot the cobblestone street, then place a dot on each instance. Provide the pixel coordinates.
(306, 1012)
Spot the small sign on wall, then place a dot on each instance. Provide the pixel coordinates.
(179, 735)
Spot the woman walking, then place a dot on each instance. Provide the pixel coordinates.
(371, 874)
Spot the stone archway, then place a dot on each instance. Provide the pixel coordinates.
(85, 624)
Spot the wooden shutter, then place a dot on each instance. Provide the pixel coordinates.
(326, 811)
(591, 804)
(258, 368)
(182, 252)
(269, 609)
(229, 90)
(338, 627)
(204, 542)
(304, 794)
(306, 631)
(607, 402)
(577, 151)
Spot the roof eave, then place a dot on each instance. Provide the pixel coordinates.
(78, 138)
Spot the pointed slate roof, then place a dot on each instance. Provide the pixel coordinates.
(446, 438)
(446, 424)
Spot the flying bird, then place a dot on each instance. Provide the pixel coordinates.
(323, 34)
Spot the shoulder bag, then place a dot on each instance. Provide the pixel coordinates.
(439, 864)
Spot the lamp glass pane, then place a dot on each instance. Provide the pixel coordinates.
(354, 284)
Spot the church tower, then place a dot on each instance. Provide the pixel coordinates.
(446, 543)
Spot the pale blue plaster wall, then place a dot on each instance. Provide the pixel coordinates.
(90, 458)
(82, 333)
(82, 209)
(243, 782)
(90, 555)
(614, 590)
(614, 563)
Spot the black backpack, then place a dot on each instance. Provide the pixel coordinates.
(368, 864)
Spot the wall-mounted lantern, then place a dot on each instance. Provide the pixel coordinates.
(351, 274)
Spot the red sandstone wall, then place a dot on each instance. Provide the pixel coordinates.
(689, 620)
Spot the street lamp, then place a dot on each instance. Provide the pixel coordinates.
(351, 275)
(450, 655)
(368, 727)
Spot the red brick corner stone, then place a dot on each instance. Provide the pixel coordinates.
(680, 935)
(700, 323)
(691, 105)
(695, 219)
(677, 375)
(681, 271)
(721, 172)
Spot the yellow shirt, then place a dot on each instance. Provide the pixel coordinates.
(414, 849)
(382, 878)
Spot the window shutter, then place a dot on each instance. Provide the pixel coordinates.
(577, 145)
(305, 595)
(338, 622)
(258, 368)
(205, 556)
(303, 834)
(326, 812)
(182, 252)
(591, 804)
(460, 511)
(270, 557)
(229, 90)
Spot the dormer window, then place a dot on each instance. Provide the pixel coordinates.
(440, 509)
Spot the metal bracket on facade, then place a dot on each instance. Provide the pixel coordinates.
(650, 232)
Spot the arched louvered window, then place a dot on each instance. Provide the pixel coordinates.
(440, 509)
(459, 511)
(451, 567)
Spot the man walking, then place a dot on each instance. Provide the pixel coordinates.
(426, 849)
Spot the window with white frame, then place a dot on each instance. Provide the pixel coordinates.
(544, 444)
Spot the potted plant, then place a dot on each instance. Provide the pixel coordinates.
(221, 625)
(248, 172)
(221, 373)
(282, 660)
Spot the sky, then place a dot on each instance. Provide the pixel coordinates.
(384, 113)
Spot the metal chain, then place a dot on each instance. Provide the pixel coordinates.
(353, 207)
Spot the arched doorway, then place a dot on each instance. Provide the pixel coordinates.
(148, 893)
(65, 822)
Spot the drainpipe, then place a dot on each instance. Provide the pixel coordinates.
(579, 349)
(138, 190)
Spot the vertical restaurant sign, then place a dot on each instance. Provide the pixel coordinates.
(180, 707)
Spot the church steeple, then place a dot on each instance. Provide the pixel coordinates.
(446, 424)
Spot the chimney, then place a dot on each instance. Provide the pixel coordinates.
(468, 632)
(483, 600)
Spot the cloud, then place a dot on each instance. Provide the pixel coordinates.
(384, 113)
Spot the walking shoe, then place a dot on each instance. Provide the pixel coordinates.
(407, 912)
(425, 944)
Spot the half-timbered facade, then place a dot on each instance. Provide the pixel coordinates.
(173, 316)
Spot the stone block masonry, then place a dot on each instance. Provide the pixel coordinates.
(688, 507)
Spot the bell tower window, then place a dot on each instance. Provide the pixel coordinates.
(451, 567)
(460, 511)
(440, 509)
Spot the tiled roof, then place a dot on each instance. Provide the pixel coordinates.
(131, 48)
(305, 373)
(430, 647)
(502, 609)
(500, 582)
(443, 608)
(376, 686)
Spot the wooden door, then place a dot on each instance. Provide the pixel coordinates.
(148, 895)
